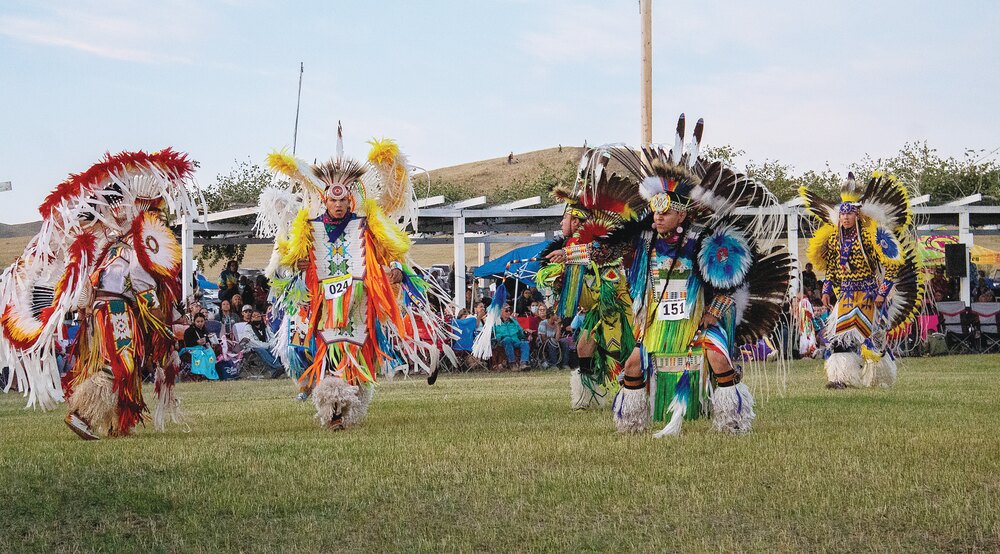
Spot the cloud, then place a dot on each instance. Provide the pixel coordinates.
(151, 33)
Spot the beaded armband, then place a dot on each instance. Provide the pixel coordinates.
(719, 305)
(577, 254)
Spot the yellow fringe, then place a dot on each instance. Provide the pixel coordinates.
(816, 252)
(391, 242)
(300, 239)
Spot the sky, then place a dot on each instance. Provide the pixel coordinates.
(805, 82)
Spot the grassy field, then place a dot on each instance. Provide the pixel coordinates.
(499, 463)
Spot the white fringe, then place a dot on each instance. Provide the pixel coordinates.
(168, 406)
(881, 373)
(95, 401)
(333, 396)
(844, 367)
(732, 409)
(582, 398)
(631, 410)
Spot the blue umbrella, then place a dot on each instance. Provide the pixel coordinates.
(524, 271)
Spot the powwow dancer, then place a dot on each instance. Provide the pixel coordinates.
(587, 273)
(865, 246)
(105, 252)
(340, 251)
(703, 284)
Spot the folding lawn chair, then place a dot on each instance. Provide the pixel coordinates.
(989, 333)
(957, 334)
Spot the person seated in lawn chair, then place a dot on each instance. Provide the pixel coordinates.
(510, 336)
(584, 272)
(339, 253)
(254, 339)
(550, 349)
(865, 247)
(703, 287)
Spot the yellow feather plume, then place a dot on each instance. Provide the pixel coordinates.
(816, 252)
(383, 152)
(300, 239)
(392, 241)
(283, 163)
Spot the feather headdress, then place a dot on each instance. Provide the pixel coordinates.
(78, 218)
(711, 188)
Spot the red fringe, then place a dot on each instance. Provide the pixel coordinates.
(174, 163)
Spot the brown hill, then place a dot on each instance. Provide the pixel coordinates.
(531, 174)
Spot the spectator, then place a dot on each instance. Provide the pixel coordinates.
(236, 303)
(480, 313)
(523, 305)
(567, 343)
(941, 283)
(261, 289)
(198, 345)
(193, 308)
(985, 295)
(986, 282)
(227, 316)
(549, 333)
(229, 280)
(808, 278)
(246, 290)
(509, 334)
(256, 337)
(530, 322)
(196, 334)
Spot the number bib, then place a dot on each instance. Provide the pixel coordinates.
(335, 287)
(673, 301)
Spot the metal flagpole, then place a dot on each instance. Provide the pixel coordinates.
(298, 102)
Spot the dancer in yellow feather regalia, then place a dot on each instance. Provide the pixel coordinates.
(865, 247)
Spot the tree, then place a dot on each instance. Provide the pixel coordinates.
(240, 188)
(924, 171)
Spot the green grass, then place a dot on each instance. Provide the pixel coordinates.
(488, 463)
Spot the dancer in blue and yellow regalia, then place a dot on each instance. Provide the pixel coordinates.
(865, 247)
(703, 285)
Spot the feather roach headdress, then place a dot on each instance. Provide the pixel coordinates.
(679, 178)
(385, 177)
(884, 199)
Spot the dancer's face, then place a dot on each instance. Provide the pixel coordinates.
(849, 219)
(337, 207)
(667, 222)
(570, 225)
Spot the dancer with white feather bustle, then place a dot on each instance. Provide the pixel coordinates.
(585, 273)
(105, 252)
(702, 283)
(351, 305)
(865, 246)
